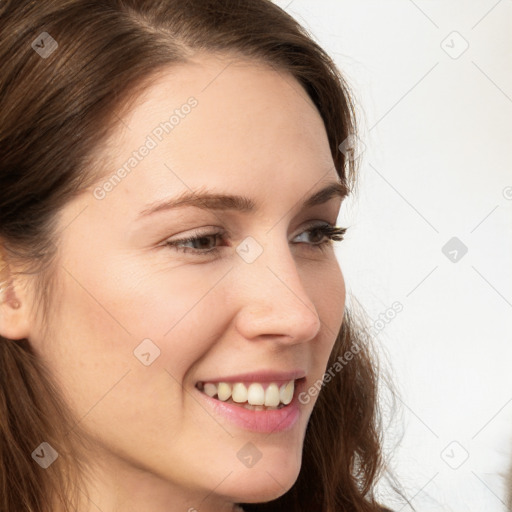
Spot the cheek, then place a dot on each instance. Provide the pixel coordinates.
(180, 310)
(125, 352)
(328, 293)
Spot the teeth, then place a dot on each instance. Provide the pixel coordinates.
(286, 393)
(223, 391)
(210, 389)
(239, 393)
(255, 397)
(272, 395)
(255, 394)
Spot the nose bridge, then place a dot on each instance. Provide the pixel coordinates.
(275, 299)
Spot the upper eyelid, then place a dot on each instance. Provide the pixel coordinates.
(226, 233)
(331, 231)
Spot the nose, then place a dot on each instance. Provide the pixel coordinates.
(275, 303)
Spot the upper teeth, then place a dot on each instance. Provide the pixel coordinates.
(255, 394)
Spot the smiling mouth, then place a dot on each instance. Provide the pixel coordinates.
(256, 396)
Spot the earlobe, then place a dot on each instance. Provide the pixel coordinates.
(13, 321)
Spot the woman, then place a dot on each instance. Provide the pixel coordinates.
(143, 368)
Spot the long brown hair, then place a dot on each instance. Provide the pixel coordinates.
(69, 69)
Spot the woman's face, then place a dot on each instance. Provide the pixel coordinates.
(139, 322)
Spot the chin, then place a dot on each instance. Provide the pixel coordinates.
(264, 484)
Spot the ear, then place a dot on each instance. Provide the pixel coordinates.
(14, 320)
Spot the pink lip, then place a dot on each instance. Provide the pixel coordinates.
(260, 376)
(271, 421)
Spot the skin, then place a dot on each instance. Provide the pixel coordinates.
(254, 133)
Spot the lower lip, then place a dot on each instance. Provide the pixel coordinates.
(270, 421)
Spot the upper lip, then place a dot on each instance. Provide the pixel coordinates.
(260, 376)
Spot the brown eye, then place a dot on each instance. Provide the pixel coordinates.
(202, 243)
(326, 231)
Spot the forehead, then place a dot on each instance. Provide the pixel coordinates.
(249, 120)
(238, 100)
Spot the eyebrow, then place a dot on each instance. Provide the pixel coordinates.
(208, 200)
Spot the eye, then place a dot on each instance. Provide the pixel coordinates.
(202, 242)
(327, 233)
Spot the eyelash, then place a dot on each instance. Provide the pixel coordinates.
(333, 233)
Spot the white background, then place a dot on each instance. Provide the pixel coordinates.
(437, 125)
